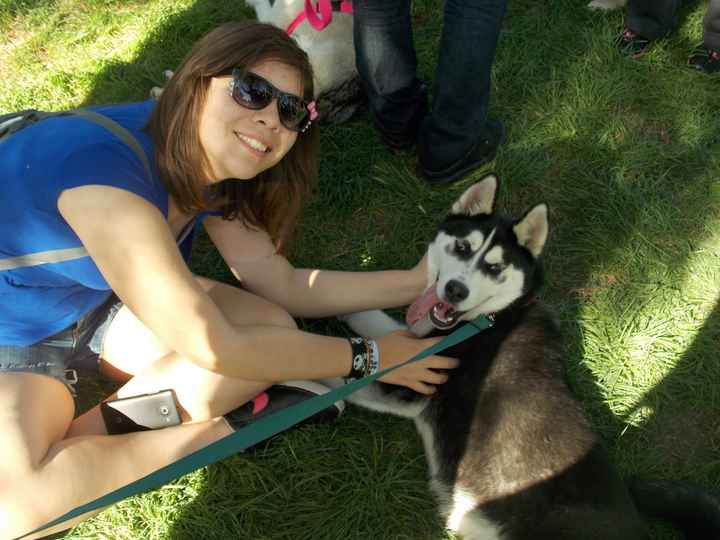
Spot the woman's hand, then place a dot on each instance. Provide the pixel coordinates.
(421, 376)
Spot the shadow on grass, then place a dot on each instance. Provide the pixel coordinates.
(594, 186)
(164, 49)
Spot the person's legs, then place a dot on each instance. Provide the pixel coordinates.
(471, 29)
(386, 61)
(35, 412)
(706, 56)
(131, 350)
(711, 26)
(75, 461)
(652, 19)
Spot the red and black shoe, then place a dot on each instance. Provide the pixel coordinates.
(632, 44)
(281, 396)
(705, 59)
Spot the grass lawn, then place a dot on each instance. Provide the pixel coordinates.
(624, 152)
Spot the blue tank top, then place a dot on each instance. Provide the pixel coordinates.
(39, 163)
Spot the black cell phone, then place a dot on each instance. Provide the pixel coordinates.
(140, 413)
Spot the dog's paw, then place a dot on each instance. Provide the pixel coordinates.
(156, 91)
(606, 5)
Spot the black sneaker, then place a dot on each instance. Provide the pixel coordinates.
(483, 152)
(705, 59)
(281, 396)
(402, 140)
(631, 44)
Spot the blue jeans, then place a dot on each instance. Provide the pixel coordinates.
(654, 19)
(59, 355)
(387, 65)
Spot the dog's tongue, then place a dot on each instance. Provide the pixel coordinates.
(420, 308)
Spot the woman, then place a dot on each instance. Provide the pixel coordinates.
(236, 109)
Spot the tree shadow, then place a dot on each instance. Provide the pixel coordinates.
(683, 413)
(164, 49)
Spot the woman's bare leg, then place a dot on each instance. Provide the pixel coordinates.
(46, 451)
(130, 350)
(35, 412)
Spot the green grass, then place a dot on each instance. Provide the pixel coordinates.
(624, 152)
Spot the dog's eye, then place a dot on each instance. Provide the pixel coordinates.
(494, 269)
(462, 247)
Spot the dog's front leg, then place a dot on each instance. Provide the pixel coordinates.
(375, 396)
(372, 324)
(375, 324)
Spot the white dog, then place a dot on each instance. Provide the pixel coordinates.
(607, 4)
(331, 52)
(338, 90)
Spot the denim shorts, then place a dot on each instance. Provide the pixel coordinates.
(77, 347)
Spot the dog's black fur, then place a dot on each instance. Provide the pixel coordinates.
(506, 431)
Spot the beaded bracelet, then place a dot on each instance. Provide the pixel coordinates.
(373, 365)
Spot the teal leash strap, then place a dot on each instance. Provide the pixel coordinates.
(483, 322)
(257, 432)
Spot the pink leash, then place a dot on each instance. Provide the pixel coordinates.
(318, 22)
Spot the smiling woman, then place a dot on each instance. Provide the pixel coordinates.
(262, 142)
(198, 110)
(231, 144)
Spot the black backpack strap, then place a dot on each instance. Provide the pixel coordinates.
(12, 122)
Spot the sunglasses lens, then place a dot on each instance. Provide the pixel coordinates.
(293, 112)
(252, 92)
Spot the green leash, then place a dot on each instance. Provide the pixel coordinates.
(259, 431)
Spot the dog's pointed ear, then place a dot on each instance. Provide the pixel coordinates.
(478, 199)
(532, 230)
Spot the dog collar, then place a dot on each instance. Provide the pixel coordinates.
(324, 8)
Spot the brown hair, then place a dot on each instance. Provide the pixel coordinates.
(273, 200)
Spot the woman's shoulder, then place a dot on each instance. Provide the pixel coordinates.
(67, 151)
(65, 130)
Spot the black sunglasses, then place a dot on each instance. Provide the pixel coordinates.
(253, 92)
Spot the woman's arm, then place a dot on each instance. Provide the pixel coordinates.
(130, 242)
(306, 292)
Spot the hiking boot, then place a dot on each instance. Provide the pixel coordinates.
(482, 153)
(705, 59)
(632, 44)
(281, 396)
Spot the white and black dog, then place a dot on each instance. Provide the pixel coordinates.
(510, 452)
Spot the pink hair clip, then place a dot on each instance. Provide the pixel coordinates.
(313, 110)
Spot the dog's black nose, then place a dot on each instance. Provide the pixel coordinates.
(455, 291)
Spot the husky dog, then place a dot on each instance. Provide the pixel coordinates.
(332, 55)
(607, 4)
(511, 456)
